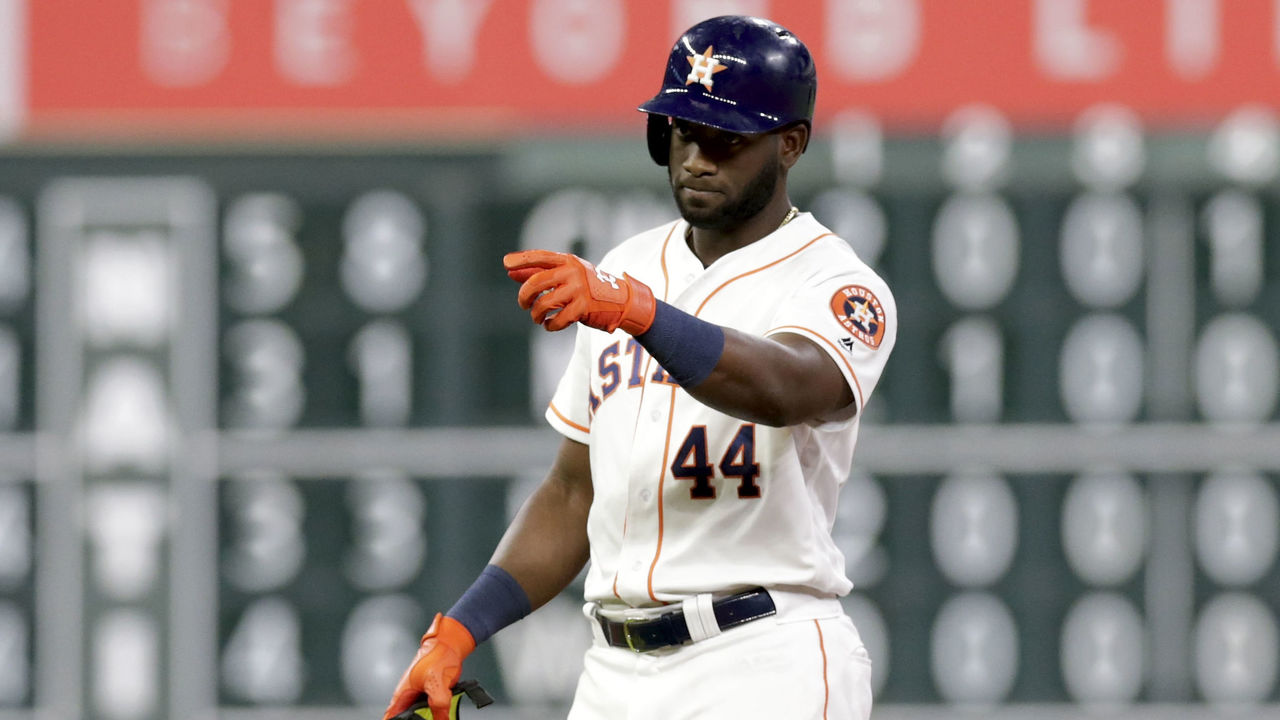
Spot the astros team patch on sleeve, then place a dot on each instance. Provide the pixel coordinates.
(860, 313)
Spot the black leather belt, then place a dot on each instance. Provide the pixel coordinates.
(644, 634)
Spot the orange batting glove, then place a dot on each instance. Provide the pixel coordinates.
(435, 669)
(554, 281)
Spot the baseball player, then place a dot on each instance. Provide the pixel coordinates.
(709, 415)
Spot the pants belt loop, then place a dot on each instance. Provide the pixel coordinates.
(597, 632)
(700, 617)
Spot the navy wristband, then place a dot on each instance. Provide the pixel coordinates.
(686, 347)
(494, 601)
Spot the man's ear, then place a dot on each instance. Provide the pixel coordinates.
(792, 143)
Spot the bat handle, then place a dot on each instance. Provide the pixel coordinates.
(476, 694)
(471, 688)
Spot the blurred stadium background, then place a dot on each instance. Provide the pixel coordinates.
(266, 402)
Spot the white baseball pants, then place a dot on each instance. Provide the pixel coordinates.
(798, 669)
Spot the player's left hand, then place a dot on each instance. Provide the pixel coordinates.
(435, 669)
(553, 281)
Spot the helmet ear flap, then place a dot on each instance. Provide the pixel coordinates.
(658, 134)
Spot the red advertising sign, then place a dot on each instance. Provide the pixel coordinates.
(479, 68)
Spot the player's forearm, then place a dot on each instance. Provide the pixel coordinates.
(774, 382)
(545, 547)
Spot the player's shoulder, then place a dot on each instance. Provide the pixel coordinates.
(829, 264)
(827, 253)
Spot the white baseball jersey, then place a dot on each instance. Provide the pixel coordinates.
(688, 499)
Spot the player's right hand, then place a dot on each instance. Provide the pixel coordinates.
(559, 289)
(435, 669)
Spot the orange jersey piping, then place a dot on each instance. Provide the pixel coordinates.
(567, 421)
(826, 689)
(666, 277)
(662, 479)
(752, 272)
(666, 289)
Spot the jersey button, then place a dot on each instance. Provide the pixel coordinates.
(645, 495)
(656, 415)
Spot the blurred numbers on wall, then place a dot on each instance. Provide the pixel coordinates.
(18, 543)
(293, 401)
(1089, 327)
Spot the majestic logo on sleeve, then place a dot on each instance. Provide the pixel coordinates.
(703, 67)
(860, 312)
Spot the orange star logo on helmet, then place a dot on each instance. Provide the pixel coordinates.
(702, 67)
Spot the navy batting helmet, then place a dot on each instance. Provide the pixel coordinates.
(741, 74)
